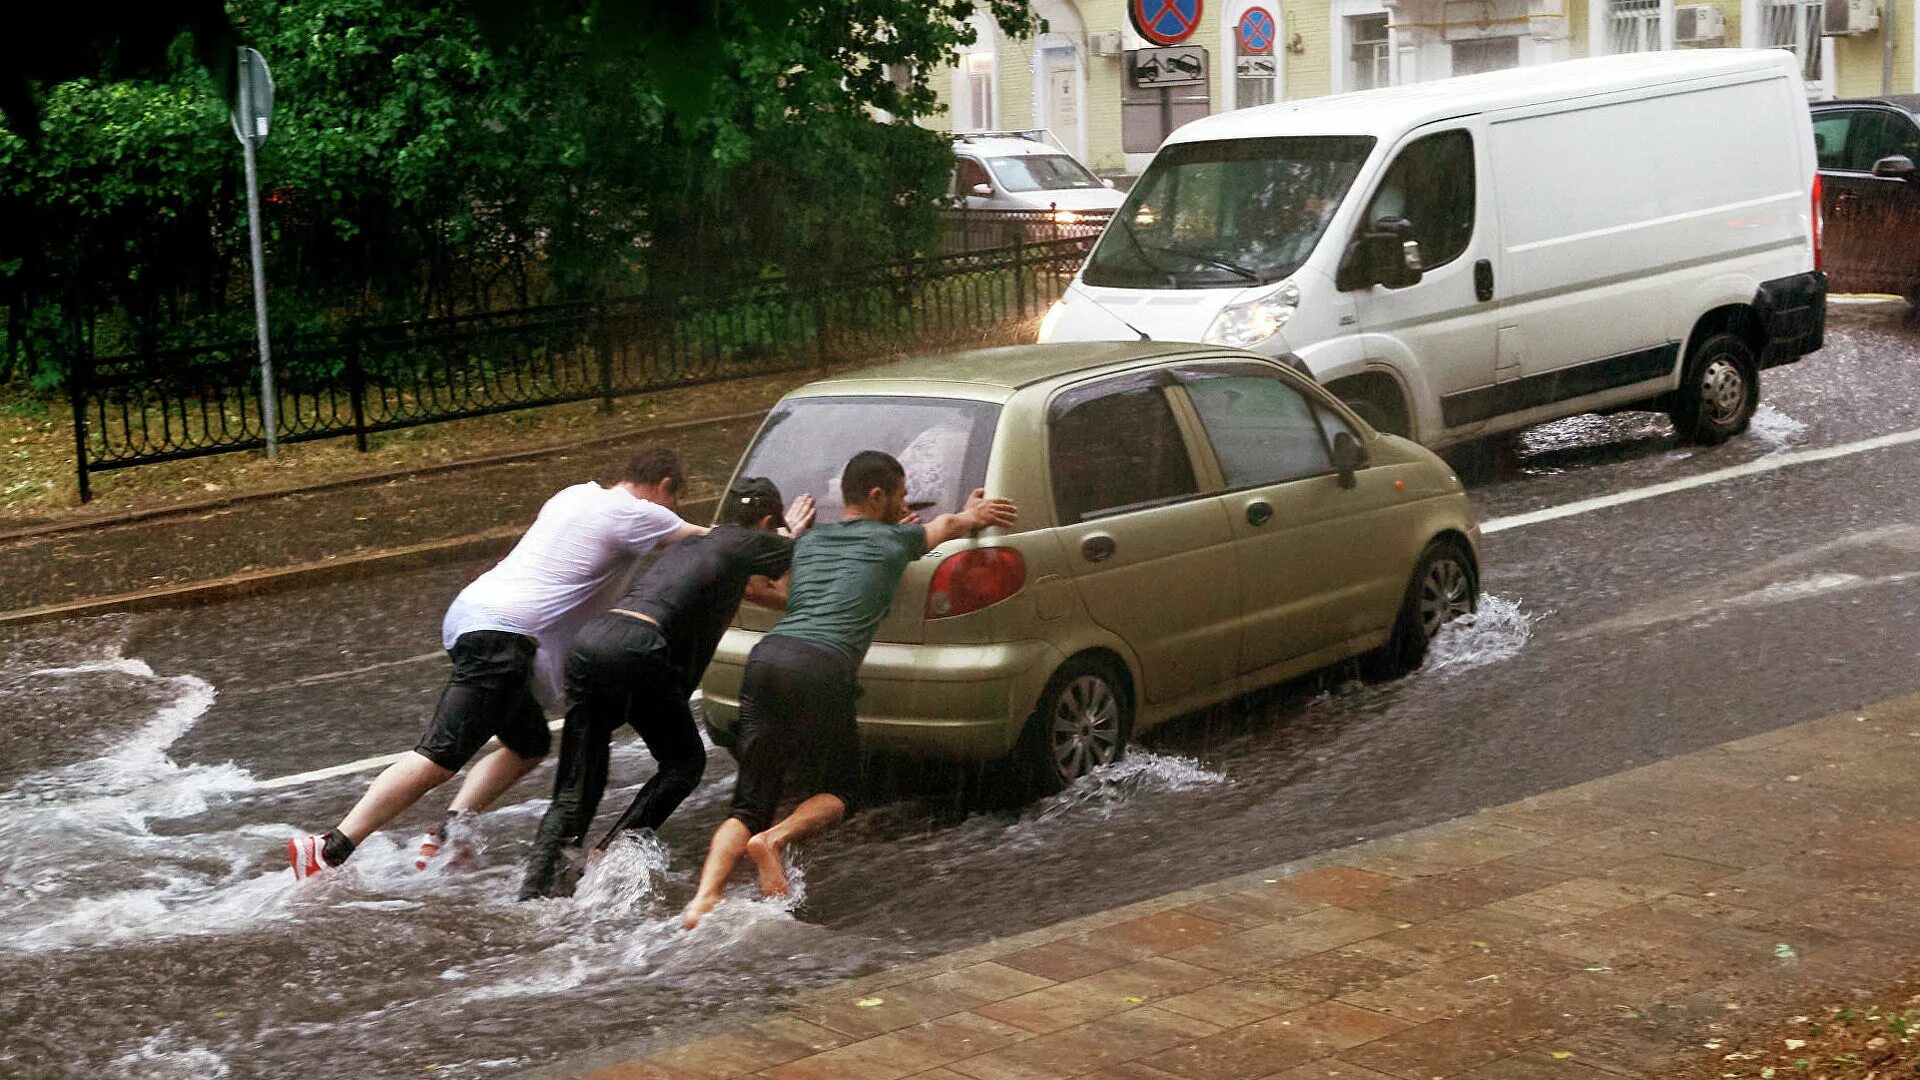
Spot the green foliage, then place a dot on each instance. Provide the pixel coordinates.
(428, 158)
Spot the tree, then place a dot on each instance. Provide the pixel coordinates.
(428, 158)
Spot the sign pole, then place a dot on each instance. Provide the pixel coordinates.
(250, 129)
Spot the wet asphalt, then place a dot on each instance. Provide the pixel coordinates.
(147, 927)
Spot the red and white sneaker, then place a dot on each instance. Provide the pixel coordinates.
(304, 852)
(452, 837)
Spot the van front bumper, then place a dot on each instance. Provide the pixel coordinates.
(966, 702)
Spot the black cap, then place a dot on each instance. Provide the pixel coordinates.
(753, 497)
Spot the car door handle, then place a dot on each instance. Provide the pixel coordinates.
(1483, 280)
(1259, 513)
(1097, 548)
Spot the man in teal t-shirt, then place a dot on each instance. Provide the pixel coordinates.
(797, 694)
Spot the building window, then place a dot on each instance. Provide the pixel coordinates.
(1633, 26)
(979, 92)
(1486, 54)
(1795, 26)
(1368, 53)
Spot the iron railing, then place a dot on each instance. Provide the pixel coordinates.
(985, 230)
(182, 403)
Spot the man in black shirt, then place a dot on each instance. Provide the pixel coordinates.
(638, 664)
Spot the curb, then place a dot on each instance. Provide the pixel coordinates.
(132, 517)
(254, 582)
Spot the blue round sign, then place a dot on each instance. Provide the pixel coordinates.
(1256, 31)
(1165, 22)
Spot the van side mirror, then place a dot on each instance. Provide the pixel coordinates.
(1349, 457)
(985, 191)
(1896, 167)
(1385, 254)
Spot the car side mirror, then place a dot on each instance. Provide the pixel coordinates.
(1106, 181)
(1386, 254)
(1349, 457)
(1896, 167)
(985, 191)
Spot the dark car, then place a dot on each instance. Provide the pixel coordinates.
(1870, 193)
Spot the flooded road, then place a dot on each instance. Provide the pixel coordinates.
(149, 926)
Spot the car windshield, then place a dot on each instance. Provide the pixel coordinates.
(1042, 172)
(941, 442)
(1227, 214)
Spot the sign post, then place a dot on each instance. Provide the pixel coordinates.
(250, 117)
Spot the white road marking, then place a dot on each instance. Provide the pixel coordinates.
(1757, 467)
(1770, 463)
(351, 767)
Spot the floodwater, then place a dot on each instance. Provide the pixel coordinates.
(149, 926)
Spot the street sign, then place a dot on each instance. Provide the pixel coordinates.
(1165, 22)
(1156, 68)
(1256, 31)
(254, 103)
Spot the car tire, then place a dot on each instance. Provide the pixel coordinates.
(1082, 722)
(1719, 392)
(1444, 586)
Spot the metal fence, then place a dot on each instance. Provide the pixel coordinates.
(183, 403)
(985, 230)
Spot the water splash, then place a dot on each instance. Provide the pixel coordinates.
(154, 1060)
(1496, 632)
(1775, 429)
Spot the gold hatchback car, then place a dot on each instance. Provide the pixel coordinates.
(1195, 523)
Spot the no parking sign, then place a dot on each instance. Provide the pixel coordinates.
(1165, 22)
(1257, 30)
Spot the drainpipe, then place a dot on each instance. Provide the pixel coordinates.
(1886, 46)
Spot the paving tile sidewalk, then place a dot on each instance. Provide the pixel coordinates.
(492, 502)
(1588, 933)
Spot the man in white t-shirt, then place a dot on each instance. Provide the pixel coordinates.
(570, 566)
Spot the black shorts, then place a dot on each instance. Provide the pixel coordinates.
(796, 709)
(489, 694)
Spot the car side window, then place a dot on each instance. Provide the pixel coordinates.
(1830, 131)
(1879, 134)
(1333, 423)
(1263, 430)
(1115, 446)
(971, 172)
(1431, 184)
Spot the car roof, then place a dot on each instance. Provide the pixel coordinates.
(1909, 102)
(995, 374)
(1389, 112)
(990, 147)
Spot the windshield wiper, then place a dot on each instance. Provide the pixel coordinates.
(1211, 260)
(1126, 230)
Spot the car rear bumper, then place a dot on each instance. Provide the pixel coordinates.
(952, 701)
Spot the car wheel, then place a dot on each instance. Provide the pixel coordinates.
(1082, 722)
(1442, 589)
(1720, 392)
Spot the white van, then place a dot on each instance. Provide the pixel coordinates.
(1473, 255)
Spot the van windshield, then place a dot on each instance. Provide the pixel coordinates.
(1227, 214)
(942, 443)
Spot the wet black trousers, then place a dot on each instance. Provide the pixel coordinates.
(618, 672)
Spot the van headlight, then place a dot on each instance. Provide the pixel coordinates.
(1048, 321)
(1250, 322)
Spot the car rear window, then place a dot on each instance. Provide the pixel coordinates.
(942, 443)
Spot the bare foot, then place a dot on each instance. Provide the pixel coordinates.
(697, 910)
(773, 872)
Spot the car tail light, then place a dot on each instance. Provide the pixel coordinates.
(1819, 228)
(974, 579)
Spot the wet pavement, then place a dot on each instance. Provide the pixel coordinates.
(148, 926)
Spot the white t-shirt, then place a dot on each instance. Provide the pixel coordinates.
(573, 564)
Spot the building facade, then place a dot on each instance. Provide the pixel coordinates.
(1111, 96)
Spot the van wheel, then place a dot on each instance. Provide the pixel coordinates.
(1082, 722)
(1442, 589)
(1720, 392)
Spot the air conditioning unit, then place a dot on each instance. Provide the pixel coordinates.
(1845, 18)
(1694, 23)
(1104, 43)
